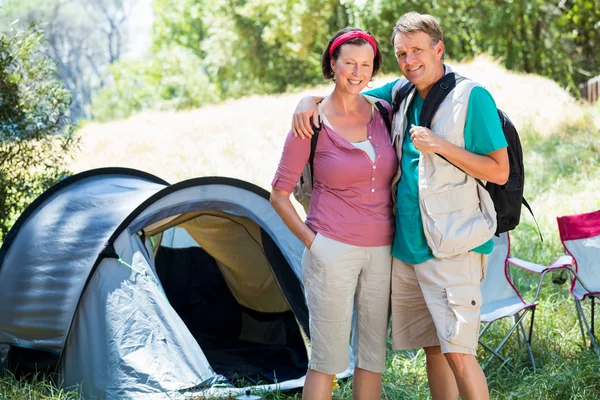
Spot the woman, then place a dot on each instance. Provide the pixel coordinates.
(349, 228)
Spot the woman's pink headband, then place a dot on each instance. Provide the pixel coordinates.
(352, 35)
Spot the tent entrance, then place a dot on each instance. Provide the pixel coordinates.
(217, 277)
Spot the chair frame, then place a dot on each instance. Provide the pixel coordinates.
(558, 263)
(573, 268)
(528, 306)
(589, 328)
(518, 317)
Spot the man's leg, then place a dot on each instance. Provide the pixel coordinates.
(471, 381)
(413, 327)
(451, 290)
(440, 377)
(366, 385)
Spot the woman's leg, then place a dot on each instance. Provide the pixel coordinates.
(366, 385)
(317, 386)
(330, 274)
(370, 338)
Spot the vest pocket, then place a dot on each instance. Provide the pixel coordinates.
(453, 221)
(464, 315)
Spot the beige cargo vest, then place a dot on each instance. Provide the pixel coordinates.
(457, 213)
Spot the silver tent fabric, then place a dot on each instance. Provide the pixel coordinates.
(49, 261)
(127, 342)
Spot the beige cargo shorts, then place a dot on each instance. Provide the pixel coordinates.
(337, 279)
(438, 303)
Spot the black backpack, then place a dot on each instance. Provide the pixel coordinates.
(507, 198)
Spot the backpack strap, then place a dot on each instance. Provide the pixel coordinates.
(400, 95)
(526, 204)
(313, 143)
(382, 110)
(385, 115)
(438, 92)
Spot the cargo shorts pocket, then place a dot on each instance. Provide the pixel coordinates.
(464, 315)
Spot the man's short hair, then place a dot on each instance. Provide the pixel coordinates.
(413, 22)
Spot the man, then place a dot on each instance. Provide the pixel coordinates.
(444, 219)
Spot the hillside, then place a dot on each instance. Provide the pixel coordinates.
(243, 138)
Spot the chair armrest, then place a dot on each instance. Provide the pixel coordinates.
(564, 261)
(560, 262)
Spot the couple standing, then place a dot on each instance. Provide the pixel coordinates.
(390, 218)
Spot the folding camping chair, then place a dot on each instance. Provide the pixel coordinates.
(501, 299)
(580, 236)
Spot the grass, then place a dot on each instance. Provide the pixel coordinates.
(32, 389)
(561, 142)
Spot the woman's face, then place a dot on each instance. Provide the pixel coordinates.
(354, 67)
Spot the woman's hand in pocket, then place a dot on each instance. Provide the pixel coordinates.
(311, 238)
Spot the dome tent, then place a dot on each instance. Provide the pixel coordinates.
(133, 288)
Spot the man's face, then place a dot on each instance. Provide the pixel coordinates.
(420, 63)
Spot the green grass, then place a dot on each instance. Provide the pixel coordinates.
(32, 389)
(563, 177)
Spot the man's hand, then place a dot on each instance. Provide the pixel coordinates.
(491, 167)
(424, 139)
(305, 111)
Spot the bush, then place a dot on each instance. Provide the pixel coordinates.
(36, 134)
(173, 80)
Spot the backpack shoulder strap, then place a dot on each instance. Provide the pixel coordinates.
(313, 142)
(526, 204)
(382, 110)
(401, 93)
(436, 96)
(385, 115)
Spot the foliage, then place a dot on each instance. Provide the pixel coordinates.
(181, 23)
(557, 40)
(272, 46)
(206, 50)
(268, 46)
(82, 37)
(173, 79)
(35, 133)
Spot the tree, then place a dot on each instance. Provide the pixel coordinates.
(173, 79)
(179, 23)
(553, 39)
(111, 18)
(252, 46)
(36, 134)
(83, 37)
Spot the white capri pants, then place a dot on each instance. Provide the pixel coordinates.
(338, 277)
